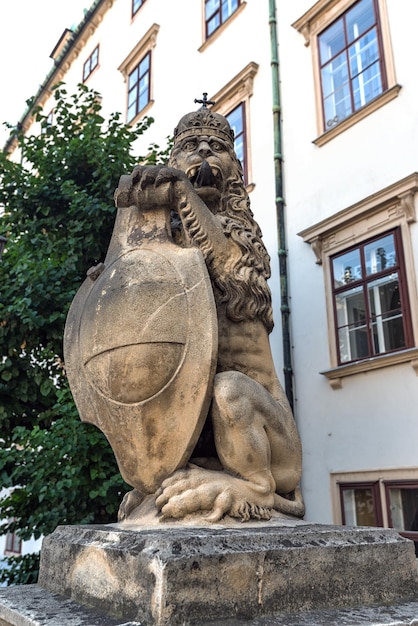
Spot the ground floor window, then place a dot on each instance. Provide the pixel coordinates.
(13, 544)
(382, 503)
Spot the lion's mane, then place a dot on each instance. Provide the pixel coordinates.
(242, 291)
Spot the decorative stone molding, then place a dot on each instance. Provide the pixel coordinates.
(147, 43)
(393, 206)
(336, 374)
(387, 207)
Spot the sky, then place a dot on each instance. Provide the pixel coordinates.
(29, 31)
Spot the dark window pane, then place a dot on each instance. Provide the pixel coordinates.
(403, 504)
(359, 507)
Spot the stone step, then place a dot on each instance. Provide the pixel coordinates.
(30, 605)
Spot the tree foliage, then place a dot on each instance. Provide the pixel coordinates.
(58, 215)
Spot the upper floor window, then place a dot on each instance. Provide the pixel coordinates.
(91, 63)
(367, 254)
(139, 87)
(352, 59)
(351, 62)
(136, 70)
(236, 119)
(136, 5)
(217, 12)
(370, 299)
(233, 102)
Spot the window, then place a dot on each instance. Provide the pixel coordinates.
(136, 5)
(360, 504)
(217, 12)
(136, 69)
(351, 62)
(91, 63)
(48, 122)
(139, 87)
(236, 121)
(370, 300)
(402, 507)
(380, 502)
(13, 543)
(233, 101)
(368, 262)
(353, 66)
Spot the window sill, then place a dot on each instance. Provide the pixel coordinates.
(336, 374)
(371, 107)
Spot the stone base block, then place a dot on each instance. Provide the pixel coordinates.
(193, 575)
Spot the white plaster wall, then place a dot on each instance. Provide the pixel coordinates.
(371, 423)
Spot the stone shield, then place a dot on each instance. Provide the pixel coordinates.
(140, 353)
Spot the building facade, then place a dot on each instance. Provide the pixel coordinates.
(344, 241)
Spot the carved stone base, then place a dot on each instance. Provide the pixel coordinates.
(194, 575)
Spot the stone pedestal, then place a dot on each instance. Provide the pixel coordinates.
(193, 575)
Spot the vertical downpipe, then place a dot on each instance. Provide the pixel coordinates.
(280, 209)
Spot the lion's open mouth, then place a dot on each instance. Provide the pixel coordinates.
(205, 175)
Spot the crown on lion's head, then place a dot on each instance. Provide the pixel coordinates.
(204, 122)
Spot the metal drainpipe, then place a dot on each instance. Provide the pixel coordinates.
(280, 209)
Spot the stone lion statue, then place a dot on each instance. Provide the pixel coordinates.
(247, 460)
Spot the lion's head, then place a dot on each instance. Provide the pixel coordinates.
(217, 176)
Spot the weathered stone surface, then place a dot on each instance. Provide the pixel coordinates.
(167, 342)
(140, 348)
(30, 605)
(178, 575)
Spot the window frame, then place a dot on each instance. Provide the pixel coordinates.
(374, 487)
(392, 207)
(242, 134)
(218, 11)
(13, 543)
(236, 92)
(88, 62)
(381, 480)
(363, 283)
(144, 47)
(207, 40)
(136, 87)
(135, 11)
(311, 25)
(406, 484)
